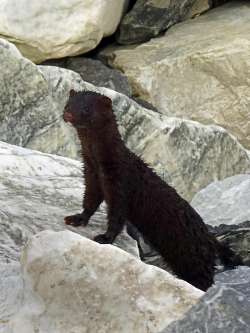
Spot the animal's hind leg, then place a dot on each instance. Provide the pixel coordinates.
(116, 216)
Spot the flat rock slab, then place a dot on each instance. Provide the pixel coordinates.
(224, 202)
(224, 308)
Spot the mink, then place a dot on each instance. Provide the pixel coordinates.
(134, 193)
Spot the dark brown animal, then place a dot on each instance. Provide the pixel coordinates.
(135, 193)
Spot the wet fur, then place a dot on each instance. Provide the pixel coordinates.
(134, 192)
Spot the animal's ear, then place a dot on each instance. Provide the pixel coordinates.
(72, 93)
(106, 101)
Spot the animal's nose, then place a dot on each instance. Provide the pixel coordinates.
(68, 117)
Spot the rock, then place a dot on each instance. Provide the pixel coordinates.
(146, 133)
(186, 154)
(36, 191)
(217, 3)
(72, 284)
(48, 29)
(11, 292)
(95, 72)
(224, 308)
(30, 116)
(149, 17)
(237, 237)
(197, 70)
(224, 202)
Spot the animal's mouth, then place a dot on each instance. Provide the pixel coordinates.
(68, 117)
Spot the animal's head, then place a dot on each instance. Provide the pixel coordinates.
(88, 109)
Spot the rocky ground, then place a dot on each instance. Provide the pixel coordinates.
(177, 74)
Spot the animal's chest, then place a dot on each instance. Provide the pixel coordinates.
(93, 154)
(101, 164)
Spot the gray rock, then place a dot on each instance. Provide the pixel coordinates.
(217, 3)
(224, 308)
(197, 70)
(237, 237)
(224, 202)
(36, 191)
(149, 17)
(95, 72)
(186, 154)
(55, 29)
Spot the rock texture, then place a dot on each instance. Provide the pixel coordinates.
(95, 72)
(197, 70)
(30, 116)
(186, 154)
(11, 292)
(51, 29)
(224, 202)
(72, 284)
(224, 308)
(36, 191)
(236, 237)
(149, 17)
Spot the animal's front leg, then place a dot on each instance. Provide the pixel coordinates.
(93, 197)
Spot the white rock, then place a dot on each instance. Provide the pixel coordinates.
(75, 285)
(54, 29)
(186, 154)
(36, 192)
(11, 293)
(225, 202)
(198, 70)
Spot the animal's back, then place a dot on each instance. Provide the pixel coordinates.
(171, 225)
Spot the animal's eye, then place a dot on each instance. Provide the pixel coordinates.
(86, 109)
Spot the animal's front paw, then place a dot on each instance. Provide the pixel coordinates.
(76, 220)
(103, 239)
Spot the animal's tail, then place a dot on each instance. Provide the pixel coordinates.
(228, 257)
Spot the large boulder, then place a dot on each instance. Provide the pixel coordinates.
(224, 202)
(197, 70)
(36, 192)
(95, 72)
(149, 17)
(11, 292)
(224, 308)
(72, 284)
(29, 113)
(186, 154)
(54, 29)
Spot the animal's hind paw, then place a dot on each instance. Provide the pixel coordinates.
(103, 239)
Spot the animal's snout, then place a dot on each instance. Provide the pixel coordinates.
(68, 117)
